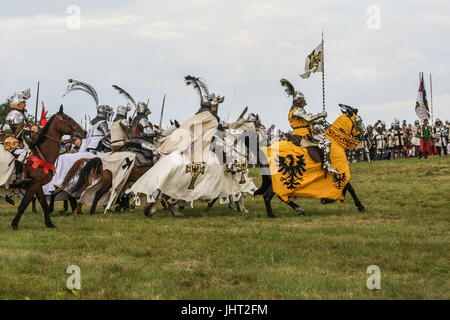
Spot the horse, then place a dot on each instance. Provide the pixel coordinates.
(96, 169)
(288, 171)
(234, 146)
(40, 166)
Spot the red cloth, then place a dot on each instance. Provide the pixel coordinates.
(425, 146)
(43, 117)
(35, 162)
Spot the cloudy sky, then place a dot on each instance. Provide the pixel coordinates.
(241, 48)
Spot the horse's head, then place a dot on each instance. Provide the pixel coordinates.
(67, 126)
(352, 123)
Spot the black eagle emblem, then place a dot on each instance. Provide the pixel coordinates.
(339, 180)
(292, 170)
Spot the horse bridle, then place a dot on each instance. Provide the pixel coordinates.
(61, 118)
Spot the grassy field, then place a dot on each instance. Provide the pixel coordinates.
(223, 254)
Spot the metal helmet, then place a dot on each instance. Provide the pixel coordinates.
(122, 111)
(299, 100)
(142, 108)
(212, 100)
(104, 111)
(438, 120)
(21, 97)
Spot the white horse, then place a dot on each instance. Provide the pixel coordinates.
(222, 174)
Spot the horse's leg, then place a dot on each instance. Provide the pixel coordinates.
(33, 205)
(66, 205)
(268, 195)
(73, 203)
(211, 204)
(104, 189)
(240, 204)
(51, 207)
(41, 197)
(27, 198)
(78, 209)
(296, 207)
(230, 202)
(358, 204)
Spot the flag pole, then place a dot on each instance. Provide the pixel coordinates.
(431, 94)
(323, 74)
(37, 105)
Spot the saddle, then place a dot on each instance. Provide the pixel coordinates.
(144, 158)
(313, 151)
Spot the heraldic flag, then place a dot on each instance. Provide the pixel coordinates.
(422, 110)
(314, 62)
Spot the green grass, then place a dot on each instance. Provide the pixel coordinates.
(227, 255)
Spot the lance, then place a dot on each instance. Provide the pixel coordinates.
(162, 112)
(37, 104)
(231, 106)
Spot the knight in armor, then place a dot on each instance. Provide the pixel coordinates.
(13, 127)
(379, 141)
(440, 135)
(398, 140)
(143, 134)
(308, 129)
(119, 128)
(98, 139)
(195, 135)
(415, 141)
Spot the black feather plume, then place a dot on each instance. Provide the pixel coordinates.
(289, 88)
(198, 85)
(82, 86)
(125, 94)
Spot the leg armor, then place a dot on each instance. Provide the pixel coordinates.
(325, 145)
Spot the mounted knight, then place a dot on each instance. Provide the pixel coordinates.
(14, 128)
(139, 136)
(195, 134)
(308, 129)
(98, 140)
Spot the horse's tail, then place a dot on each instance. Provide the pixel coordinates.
(77, 166)
(94, 166)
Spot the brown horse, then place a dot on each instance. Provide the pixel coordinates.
(88, 169)
(39, 167)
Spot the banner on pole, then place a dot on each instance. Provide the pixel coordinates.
(422, 110)
(314, 62)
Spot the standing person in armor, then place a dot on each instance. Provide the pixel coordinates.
(389, 141)
(440, 134)
(13, 127)
(119, 128)
(308, 128)
(379, 141)
(98, 138)
(364, 147)
(415, 141)
(398, 139)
